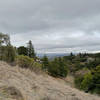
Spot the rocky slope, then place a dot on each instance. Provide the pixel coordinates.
(22, 84)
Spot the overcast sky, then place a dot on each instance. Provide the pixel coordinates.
(52, 25)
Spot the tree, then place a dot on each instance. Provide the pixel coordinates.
(22, 51)
(1, 39)
(31, 51)
(9, 54)
(7, 51)
(54, 68)
(45, 63)
(62, 67)
(71, 54)
(4, 39)
(57, 68)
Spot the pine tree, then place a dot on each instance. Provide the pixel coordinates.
(62, 67)
(71, 54)
(22, 51)
(31, 51)
(45, 63)
(57, 68)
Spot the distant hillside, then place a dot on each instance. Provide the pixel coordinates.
(22, 84)
(53, 55)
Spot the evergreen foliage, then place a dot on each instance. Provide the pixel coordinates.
(22, 51)
(56, 68)
(90, 82)
(45, 63)
(87, 82)
(31, 51)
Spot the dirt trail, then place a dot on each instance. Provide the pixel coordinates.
(22, 84)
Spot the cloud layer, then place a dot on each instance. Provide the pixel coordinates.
(53, 25)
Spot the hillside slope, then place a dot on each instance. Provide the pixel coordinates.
(22, 84)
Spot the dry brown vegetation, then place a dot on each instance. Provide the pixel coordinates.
(22, 84)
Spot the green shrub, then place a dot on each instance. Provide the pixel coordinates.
(81, 77)
(8, 53)
(90, 81)
(87, 82)
(96, 80)
(53, 69)
(27, 62)
(24, 61)
(78, 81)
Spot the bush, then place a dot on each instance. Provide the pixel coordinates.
(24, 61)
(78, 80)
(53, 69)
(27, 62)
(96, 80)
(90, 82)
(82, 79)
(87, 82)
(8, 53)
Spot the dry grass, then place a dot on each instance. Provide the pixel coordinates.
(33, 86)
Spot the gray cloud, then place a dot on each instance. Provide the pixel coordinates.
(52, 25)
